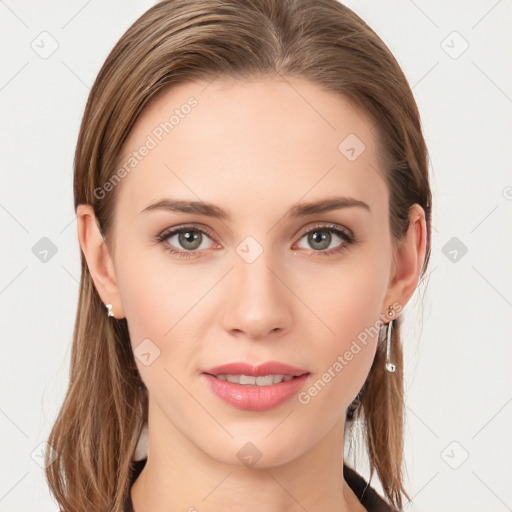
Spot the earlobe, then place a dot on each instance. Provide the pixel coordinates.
(98, 258)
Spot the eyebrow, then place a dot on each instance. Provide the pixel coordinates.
(295, 211)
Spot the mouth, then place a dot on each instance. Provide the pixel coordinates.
(265, 374)
(256, 388)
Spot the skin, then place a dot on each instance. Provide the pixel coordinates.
(255, 149)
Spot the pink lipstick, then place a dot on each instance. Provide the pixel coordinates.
(255, 388)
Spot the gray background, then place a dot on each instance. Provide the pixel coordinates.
(458, 353)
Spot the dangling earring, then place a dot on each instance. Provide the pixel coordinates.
(109, 312)
(390, 367)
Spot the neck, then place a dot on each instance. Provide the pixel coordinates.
(179, 476)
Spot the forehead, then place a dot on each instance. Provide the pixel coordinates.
(262, 142)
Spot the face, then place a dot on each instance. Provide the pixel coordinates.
(268, 281)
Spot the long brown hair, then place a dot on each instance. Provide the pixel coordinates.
(176, 41)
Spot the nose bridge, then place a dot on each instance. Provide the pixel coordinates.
(259, 302)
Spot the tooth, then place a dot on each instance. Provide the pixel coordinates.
(266, 381)
(247, 379)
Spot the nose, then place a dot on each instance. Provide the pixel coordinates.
(259, 303)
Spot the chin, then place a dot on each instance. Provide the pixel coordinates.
(259, 451)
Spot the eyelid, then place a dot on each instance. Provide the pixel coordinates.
(328, 225)
(175, 229)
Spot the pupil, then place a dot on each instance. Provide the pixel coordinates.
(323, 239)
(188, 239)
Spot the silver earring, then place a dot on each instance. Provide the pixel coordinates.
(109, 312)
(390, 367)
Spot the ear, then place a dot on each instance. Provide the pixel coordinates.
(408, 261)
(99, 261)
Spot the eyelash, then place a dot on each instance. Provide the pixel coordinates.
(347, 238)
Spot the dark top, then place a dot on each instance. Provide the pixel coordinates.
(367, 496)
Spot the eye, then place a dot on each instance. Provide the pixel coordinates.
(320, 238)
(189, 239)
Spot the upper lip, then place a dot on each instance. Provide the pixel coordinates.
(268, 368)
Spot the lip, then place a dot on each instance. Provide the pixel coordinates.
(268, 368)
(255, 398)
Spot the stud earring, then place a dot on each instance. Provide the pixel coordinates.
(390, 367)
(109, 312)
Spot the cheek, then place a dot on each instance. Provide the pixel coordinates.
(155, 293)
(347, 297)
(150, 299)
(349, 306)
(163, 303)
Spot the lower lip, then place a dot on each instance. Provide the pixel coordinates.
(255, 398)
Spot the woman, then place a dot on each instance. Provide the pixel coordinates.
(253, 206)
